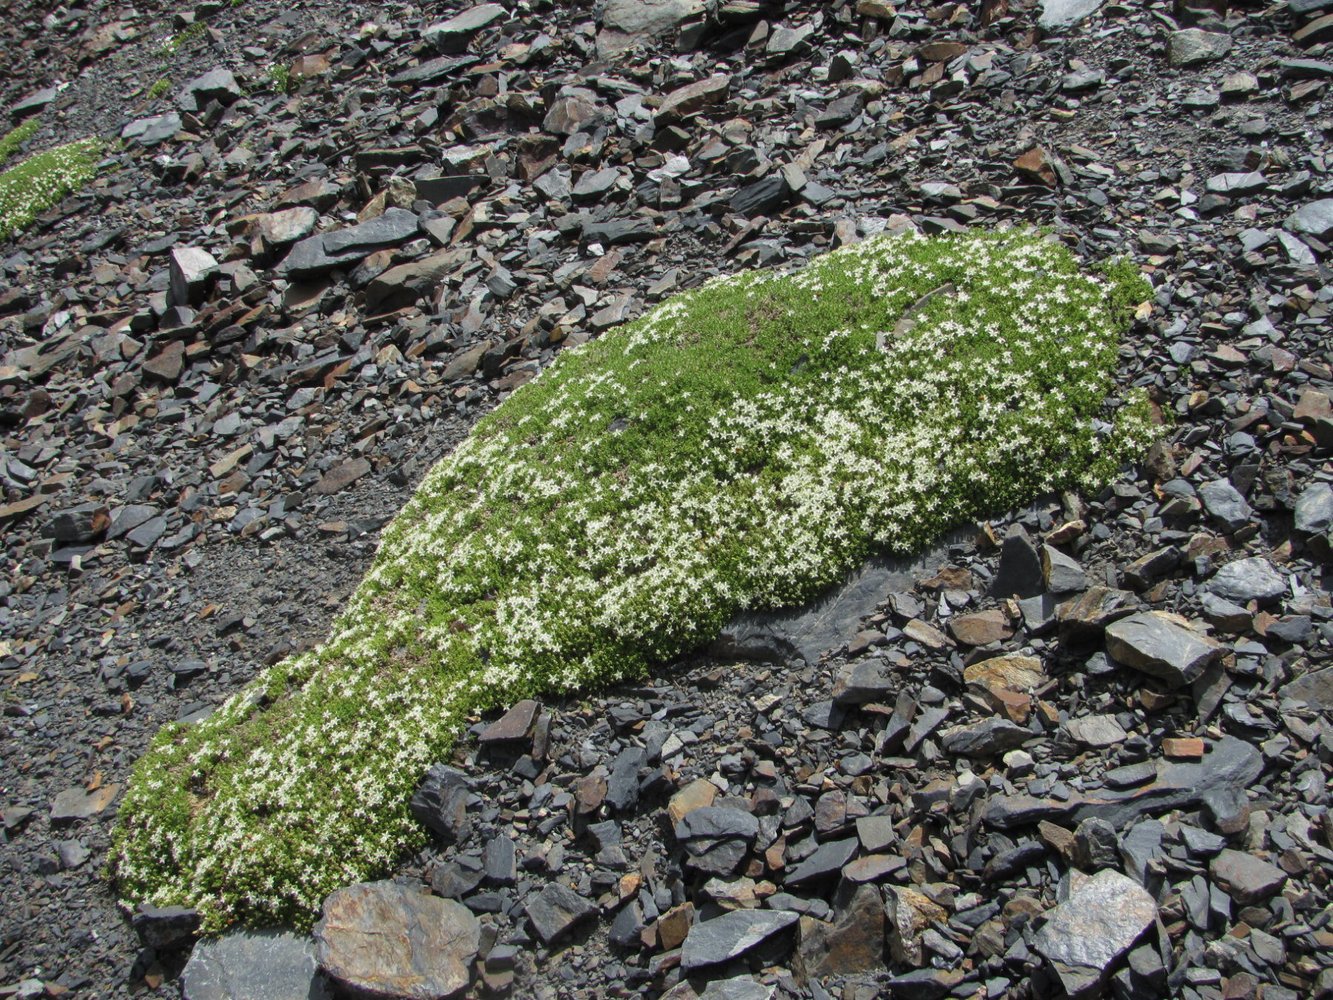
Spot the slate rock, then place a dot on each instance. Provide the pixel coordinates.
(191, 269)
(154, 130)
(1096, 730)
(1314, 509)
(440, 803)
(983, 739)
(1218, 782)
(80, 803)
(1225, 503)
(1314, 219)
(165, 928)
(452, 36)
(850, 944)
(834, 617)
(1314, 688)
(648, 17)
(1066, 13)
(1019, 573)
(694, 97)
(1193, 46)
(254, 965)
(1099, 922)
(390, 940)
(617, 232)
(1252, 579)
(216, 85)
(326, 251)
(763, 196)
(732, 935)
(1161, 645)
(862, 682)
(1247, 879)
(827, 861)
(1062, 574)
(557, 910)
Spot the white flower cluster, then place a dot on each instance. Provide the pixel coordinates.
(29, 189)
(742, 445)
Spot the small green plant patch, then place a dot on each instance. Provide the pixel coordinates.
(191, 33)
(41, 181)
(160, 86)
(13, 140)
(741, 446)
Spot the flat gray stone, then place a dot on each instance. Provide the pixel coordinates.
(984, 739)
(1159, 644)
(1097, 730)
(154, 130)
(1314, 688)
(1066, 13)
(832, 619)
(249, 965)
(1247, 879)
(1217, 782)
(1194, 46)
(1063, 573)
(1252, 579)
(1100, 921)
(391, 941)
(557, 910)
(732, 935)
(190, 269)
(649, 17)
(1314, 219)
(1314, 509)
(1225, 503)
(453, 35)
(326, 251)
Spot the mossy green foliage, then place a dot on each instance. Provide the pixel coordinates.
(160, 86)
(742, 445)
(41, 181)
(13, 140)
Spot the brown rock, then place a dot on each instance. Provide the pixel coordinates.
(673, 925)
(341, 476)
(168, 363)
(695, 795)
(1183, 747)
(850, 944)
(387, 940)
(694, 97)
(909, 913)
(1036, 165)
(981, 628)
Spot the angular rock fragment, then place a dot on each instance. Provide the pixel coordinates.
(254, 965)
(733, 935)
(1247, 879)
(1162, 645)
(1252, 579)
(1193, 46)
(1096, 925)
(984, 739)
(557, 910)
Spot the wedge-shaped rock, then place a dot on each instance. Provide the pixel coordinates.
(1084, 935)
(1162, 645)
(327, 251)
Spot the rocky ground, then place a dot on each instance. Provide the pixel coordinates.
(1081, 747)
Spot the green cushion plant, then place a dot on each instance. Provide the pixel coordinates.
(43, 180)
(16, 137)
(742, 445)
